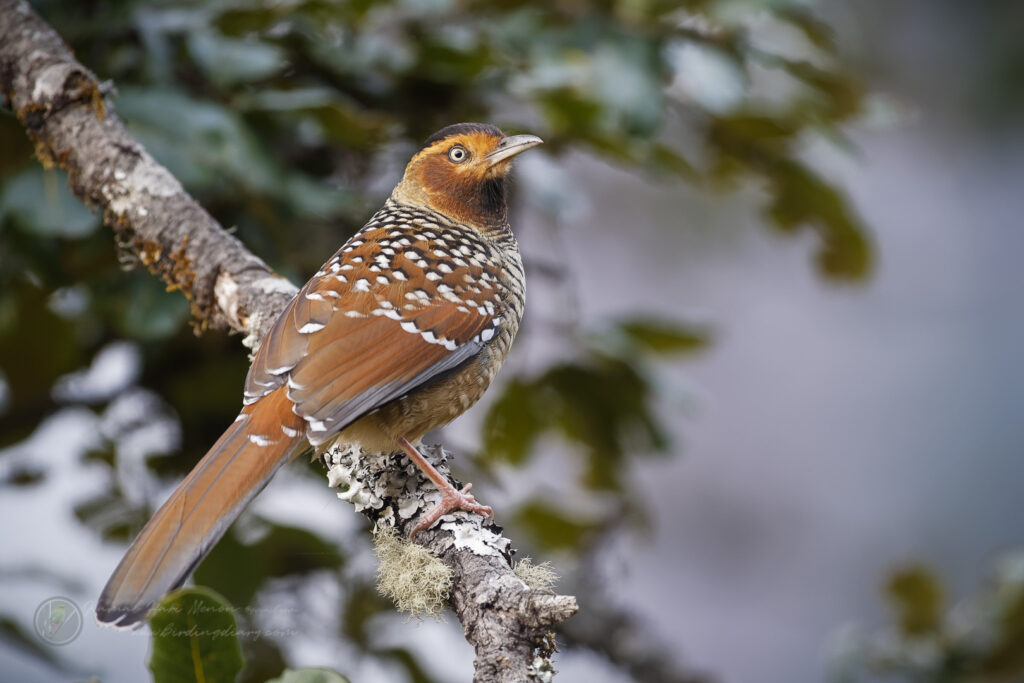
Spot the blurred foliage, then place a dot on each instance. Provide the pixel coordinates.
(980, 640)
(290, 120)
(194, 638)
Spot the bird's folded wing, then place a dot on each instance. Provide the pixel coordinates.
(370, 328)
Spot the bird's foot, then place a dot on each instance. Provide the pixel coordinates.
(451, 500)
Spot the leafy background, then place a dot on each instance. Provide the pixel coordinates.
(701, 285)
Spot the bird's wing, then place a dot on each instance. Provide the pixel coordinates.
(385, 315)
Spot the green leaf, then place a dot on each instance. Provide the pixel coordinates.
(801, 197)
(147, 311)
(201, 142)
(238, 570)
(916, 595)
(229, 60)
(554, 529)
(663, 336)
(42, 203)
(194, 638)
(309, 676)
(820, 34)
(514, 422)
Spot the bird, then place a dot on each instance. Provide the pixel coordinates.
(399, 332)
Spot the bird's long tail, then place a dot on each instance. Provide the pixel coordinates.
(185, 528)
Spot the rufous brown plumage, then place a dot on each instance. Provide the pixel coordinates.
(401, 331)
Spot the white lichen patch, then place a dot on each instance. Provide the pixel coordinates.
(275, 284)
(148, 179)
(416, 581)
(409, 506)
(347, 471)
(252, 340)
(225, 291)
(469, 534)
(51, 81)
(390, 483)
(541, 670)
(538, 576)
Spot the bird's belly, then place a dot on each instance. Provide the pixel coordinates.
(433, 405)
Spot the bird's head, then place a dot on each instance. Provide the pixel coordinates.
(460, 172)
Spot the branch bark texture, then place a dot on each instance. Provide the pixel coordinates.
(63, 108)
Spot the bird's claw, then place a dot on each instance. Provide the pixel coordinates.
(451, 500)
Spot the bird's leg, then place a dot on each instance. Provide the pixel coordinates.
(451, 498)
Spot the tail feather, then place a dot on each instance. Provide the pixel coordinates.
(202, 508)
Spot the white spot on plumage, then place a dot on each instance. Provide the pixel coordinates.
(388, 313)
(354, 314)
(410, 326)
(259, 440)
(347, 266)
(433, 275)
(361, 285)
(310, 328)
(288, 431)
(444, 267)
(383, 279)
(487, 334)
(314, 296)
(316, 425)
(400, 275)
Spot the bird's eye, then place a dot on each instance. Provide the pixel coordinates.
(458, 154)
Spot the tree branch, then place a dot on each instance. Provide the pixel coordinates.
(62, 106)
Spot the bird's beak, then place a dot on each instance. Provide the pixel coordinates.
(511, 146)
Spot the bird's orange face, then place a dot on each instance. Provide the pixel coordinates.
(461, 172)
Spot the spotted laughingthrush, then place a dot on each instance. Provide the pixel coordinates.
(401, 331)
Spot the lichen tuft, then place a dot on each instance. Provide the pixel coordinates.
(537, 576)
(409, 575)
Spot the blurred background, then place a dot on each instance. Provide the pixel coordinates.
(765, 413)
